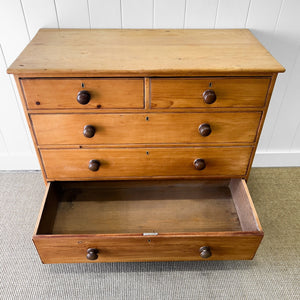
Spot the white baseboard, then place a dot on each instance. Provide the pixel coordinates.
(19, 161)
(276, 159)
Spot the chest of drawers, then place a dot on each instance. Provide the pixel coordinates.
(145, 140)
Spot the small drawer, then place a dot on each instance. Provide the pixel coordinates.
(83, 93)
(152, 128)
(108, 163)
(147, 221)
(209, 92)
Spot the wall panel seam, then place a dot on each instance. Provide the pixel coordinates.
(153, 9)
(246, 20)
(20, 110)
(121, 14)
(4, 142)
(184, 14)
(279, 15)
(217, 12)
(88, 11)
(294, 137)
(282, 101)
(54, 2)
(22, 8)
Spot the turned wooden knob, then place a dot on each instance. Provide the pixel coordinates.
(83, 97)
(89, 131)
(209, 96)
(92, 253)
(94, 165)
(205, 252)
(204, 129)
(199, 164)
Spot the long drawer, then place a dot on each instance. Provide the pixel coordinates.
(95, 93)
(154, 128)
(147, 221)
(106, 163)
(208, 92)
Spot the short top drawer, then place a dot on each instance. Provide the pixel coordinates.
(227, 92)
(102, 93)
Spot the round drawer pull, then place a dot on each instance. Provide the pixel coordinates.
(89, 131)
(209, 96)
(94, 165)
(204, 129)
(205, 252)
(83, 97)
(92, 253)
(199, 164)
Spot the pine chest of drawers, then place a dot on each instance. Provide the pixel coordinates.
(145, 139)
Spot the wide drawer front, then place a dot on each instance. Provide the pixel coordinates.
(83, 93)
(61, 164)
(73, 249)
(147, 221)
(208, 92)
(185, 128)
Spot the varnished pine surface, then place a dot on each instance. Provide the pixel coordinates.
(105, 93)
(151, 128)
(188, 93)
(113, 52)
(73, 249)
(145, 162)
(165, 208)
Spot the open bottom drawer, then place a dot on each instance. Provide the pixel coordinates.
(147, 221)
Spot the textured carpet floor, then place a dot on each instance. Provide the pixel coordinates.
(273, 274)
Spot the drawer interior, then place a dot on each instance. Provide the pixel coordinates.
(147, 207)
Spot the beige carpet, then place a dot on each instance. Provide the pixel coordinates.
(273, 274)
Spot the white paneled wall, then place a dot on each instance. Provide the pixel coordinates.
(276, 23)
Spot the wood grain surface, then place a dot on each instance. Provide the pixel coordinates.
(145, 162)
(165, 208)
(151, 128)
(62, 52)
(113, 216)
(62, 93)
(73, 248)
(188, 92)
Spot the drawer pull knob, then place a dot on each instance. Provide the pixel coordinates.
(92, 253)
(205, 252)
(94, 165)
(209, 96)
(89, 131)
(199, 164)
(204, 129)
(83, 97)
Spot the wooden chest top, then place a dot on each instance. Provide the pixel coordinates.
(111, 52)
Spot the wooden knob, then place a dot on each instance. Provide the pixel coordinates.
(209, 96)
(94, 165)
(83, 97)
(92, 253)
(205, 252)
(89, 131)
(199, 164)
(204, 129)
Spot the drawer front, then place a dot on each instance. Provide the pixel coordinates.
(74, 129)
(73, 249)
(229, 92)
(104, 93)
(145, 162)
